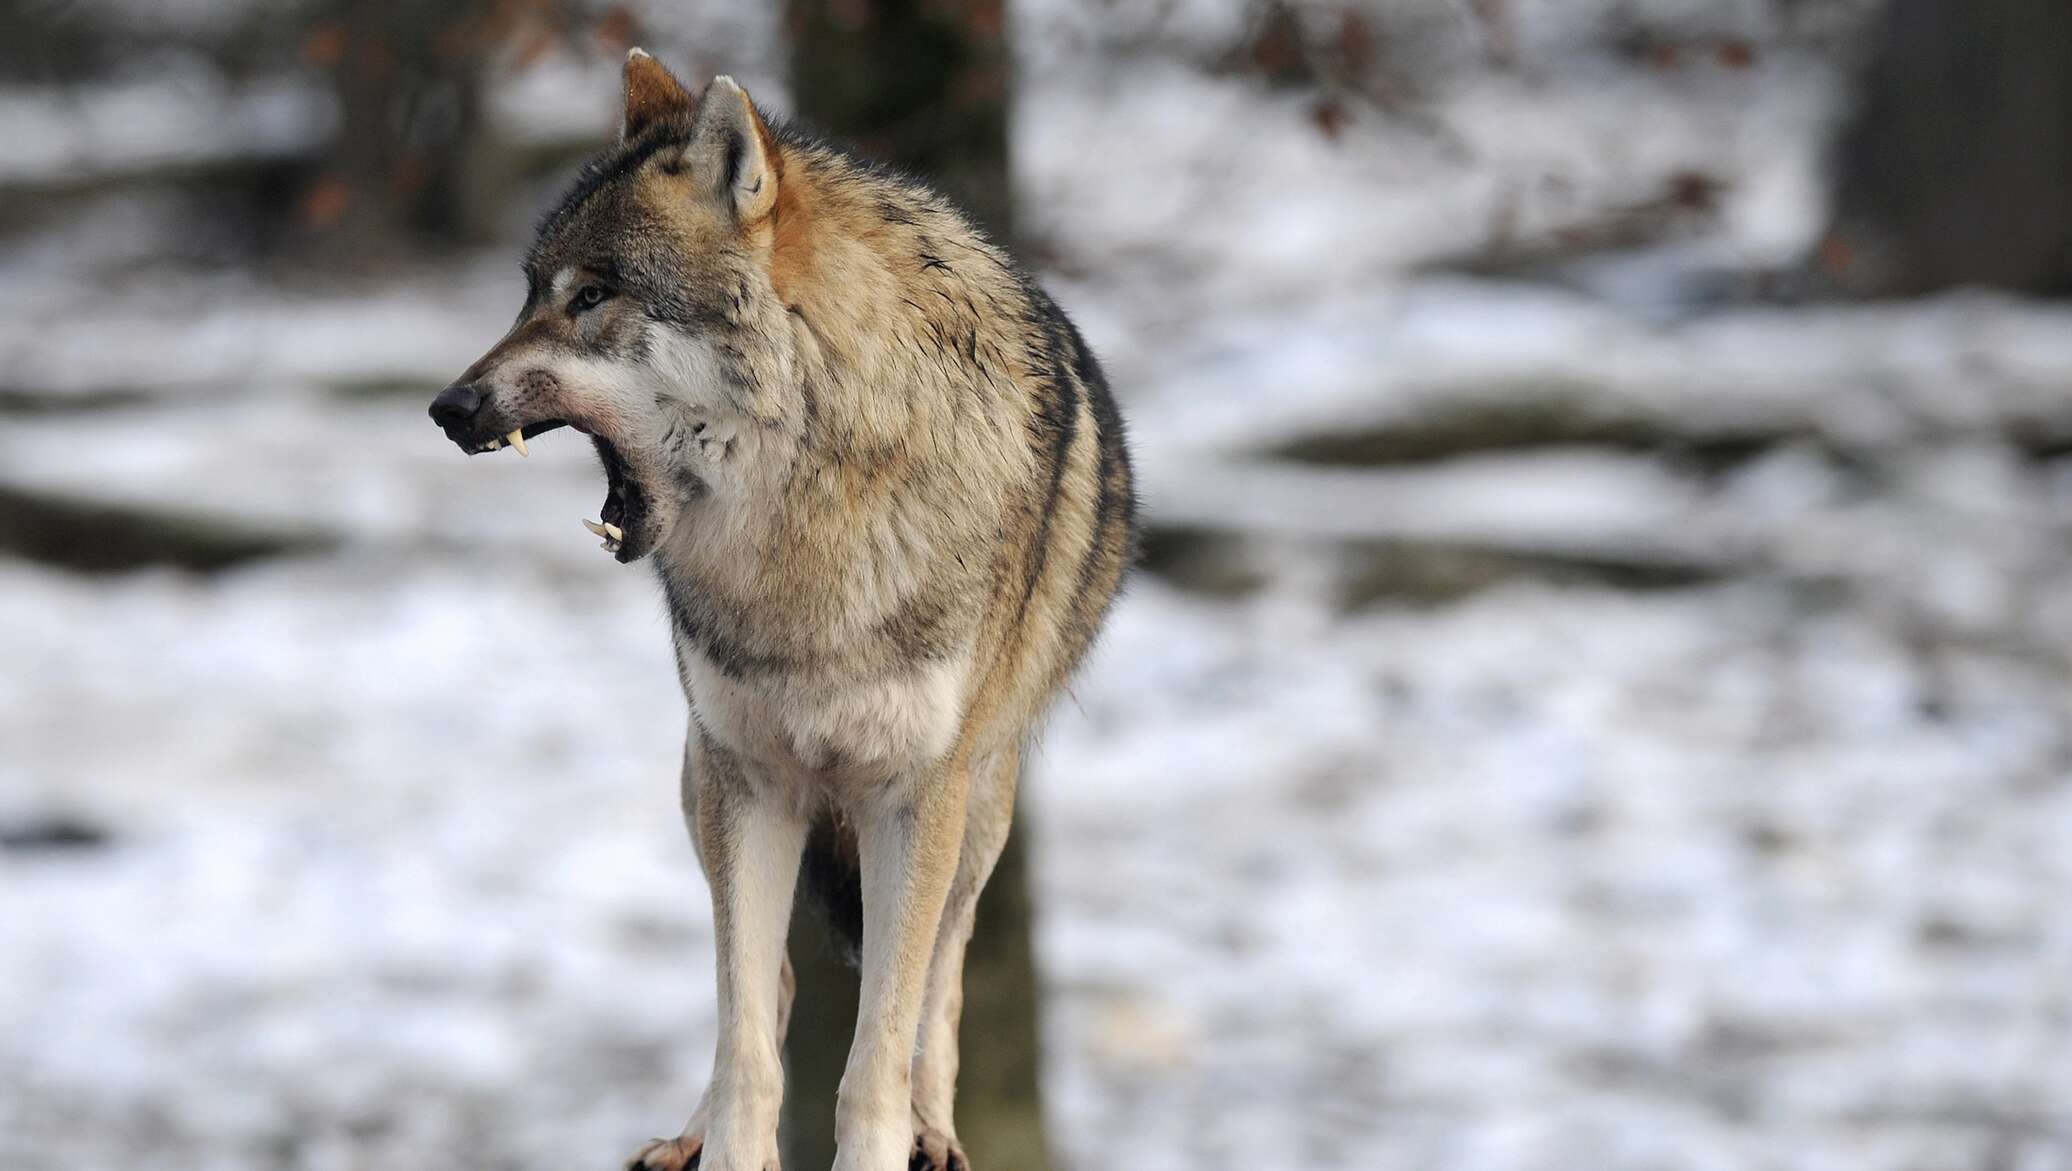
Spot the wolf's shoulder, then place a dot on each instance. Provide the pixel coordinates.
(891, 203)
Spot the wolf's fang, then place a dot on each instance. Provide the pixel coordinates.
(596, 529)
(517, 440)
(614, 532)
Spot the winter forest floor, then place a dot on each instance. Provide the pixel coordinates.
(1579, 711)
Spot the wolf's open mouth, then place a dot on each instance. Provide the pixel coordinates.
(622, 521)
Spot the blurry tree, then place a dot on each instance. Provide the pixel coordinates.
(408, 87)
(921, 83)
(924, 84)
(412, 162)
(44, 43)
(1336, 54)
(1955, 167)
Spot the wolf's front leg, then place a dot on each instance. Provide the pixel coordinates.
(683, 1152)
(750, 841)
(908, 842)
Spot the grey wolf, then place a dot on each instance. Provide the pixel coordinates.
(885, 488)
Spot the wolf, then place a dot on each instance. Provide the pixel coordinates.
(885, 488)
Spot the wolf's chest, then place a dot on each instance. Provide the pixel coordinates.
(825, 722)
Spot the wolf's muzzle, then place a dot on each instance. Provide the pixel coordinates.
(456, 407)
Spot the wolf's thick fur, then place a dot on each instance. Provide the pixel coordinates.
(886, 493)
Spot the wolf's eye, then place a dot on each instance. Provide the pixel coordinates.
(587, 297)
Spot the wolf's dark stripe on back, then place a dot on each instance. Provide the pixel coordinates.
(1115, 504)
(1051, 429)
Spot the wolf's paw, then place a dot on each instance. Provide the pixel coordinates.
(668, 1154)
(686, 1153)
(936, 1151)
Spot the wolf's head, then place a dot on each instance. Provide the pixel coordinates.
(639, 286)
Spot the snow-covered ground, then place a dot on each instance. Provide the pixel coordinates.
(1680, 781)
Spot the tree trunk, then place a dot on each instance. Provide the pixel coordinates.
(1956, 166)
(823, 1019)
(923, 84)
(410, 164)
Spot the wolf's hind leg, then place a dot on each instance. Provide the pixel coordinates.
(908, 840)
(988, 816)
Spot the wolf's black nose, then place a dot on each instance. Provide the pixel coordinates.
(456, 404)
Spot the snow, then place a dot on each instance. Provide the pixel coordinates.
(1761, 866)
(173, 120)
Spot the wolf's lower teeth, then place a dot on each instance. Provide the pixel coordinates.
(614, 532)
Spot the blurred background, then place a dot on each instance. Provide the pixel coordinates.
(1598, 693)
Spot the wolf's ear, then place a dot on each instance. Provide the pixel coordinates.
(652, 94)
(733, 141)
